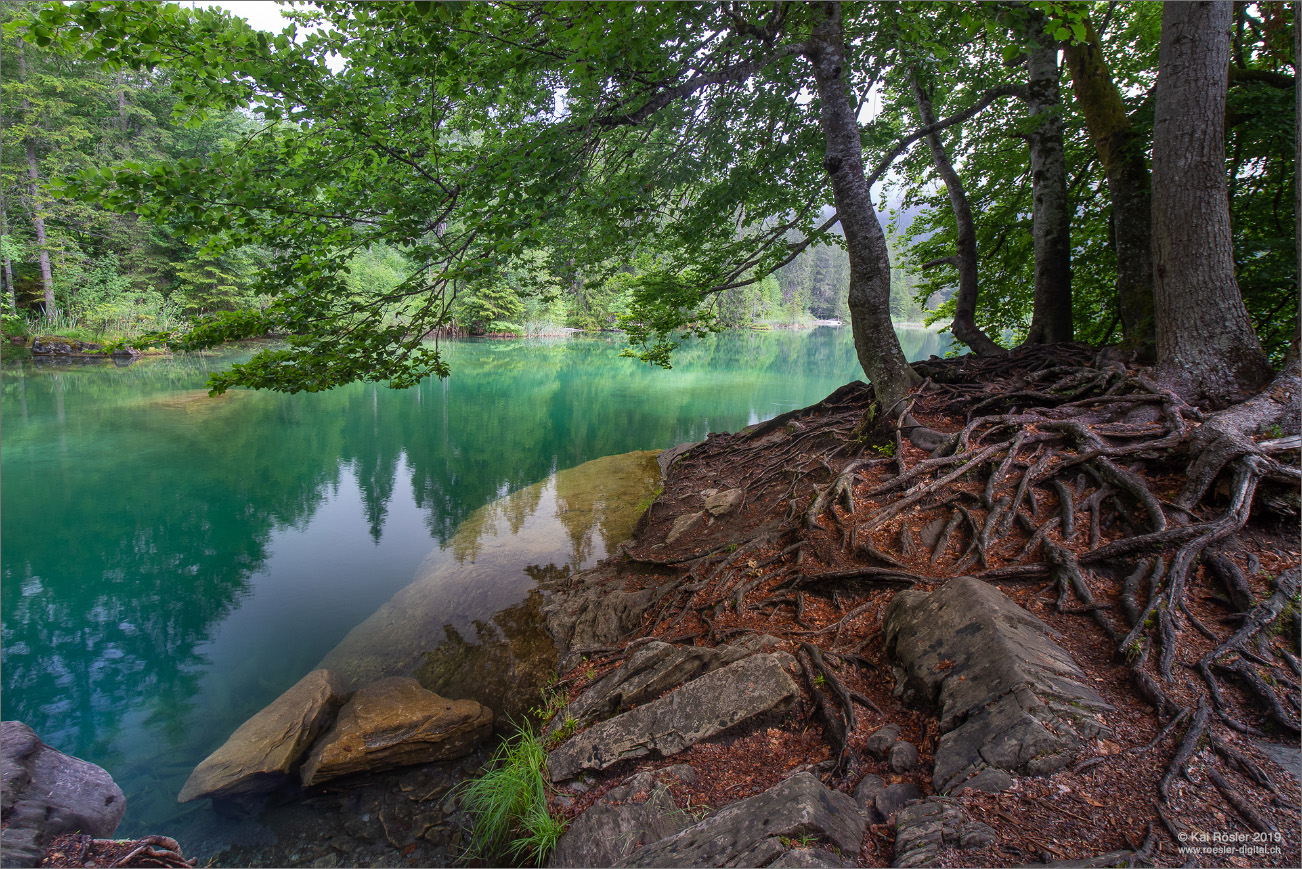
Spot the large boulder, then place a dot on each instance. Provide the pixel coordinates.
(698, 710)
(261, 755)
(749, 832)
(395, 722)
(632, 814)
(44, 792)
(650, 671)
(1007, 695)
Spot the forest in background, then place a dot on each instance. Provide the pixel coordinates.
(112, 275)
(94, 127)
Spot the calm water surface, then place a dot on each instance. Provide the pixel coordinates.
(172, 563)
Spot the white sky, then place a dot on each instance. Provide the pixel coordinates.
(261, 14)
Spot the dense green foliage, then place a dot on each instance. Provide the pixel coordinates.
(995, 168)
(655, 167)
(113, 274)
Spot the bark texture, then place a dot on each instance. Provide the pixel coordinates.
(1121, 151)
(875, 341)
(1205, 341)
(1051, 213)
(964, 327)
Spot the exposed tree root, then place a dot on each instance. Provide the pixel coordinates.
(1047, 466)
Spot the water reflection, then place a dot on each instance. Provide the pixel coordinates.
(172, 562)
(468, 626)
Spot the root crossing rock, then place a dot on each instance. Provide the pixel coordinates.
(1007, 695)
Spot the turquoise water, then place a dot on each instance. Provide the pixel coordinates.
(171, 563)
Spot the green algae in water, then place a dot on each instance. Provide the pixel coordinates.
(470, 625)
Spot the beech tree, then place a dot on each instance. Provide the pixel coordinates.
(1205, 340)
(1121, 149)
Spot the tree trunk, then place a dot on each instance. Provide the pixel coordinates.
(869, 298)
(1121, 151)
(964, 327)
(11, 293)
(38, 219)
(1205, 341)
(1051, 212)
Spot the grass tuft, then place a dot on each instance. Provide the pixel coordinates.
(509, 803)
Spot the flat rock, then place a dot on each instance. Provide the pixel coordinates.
(628, 816)
(923, 829)
(262, 753)
(44, 792)
(596, 612)
(683, 524)
(698, 710)
(989, 780)
(1007, 695)
(395, 722)
(650, 671)
(749, 832)
(718, 503)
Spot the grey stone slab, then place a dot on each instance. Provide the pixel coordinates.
(650, 671)
(671, 455)
(698, 710)
(924, 828)
(749, 832)
(1007, 695)
(628, 816)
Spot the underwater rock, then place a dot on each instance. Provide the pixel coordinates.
(262, 753)
(393, 723)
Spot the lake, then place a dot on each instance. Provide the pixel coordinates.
(172, 562)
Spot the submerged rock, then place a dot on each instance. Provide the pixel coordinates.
(262, 753)
(44, 792)
(562, 525)
(393, 723)
(708, 705)
(749, 832)
(1008, 696)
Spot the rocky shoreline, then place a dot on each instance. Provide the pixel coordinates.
(728, 697)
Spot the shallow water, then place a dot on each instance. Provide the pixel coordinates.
(171, 563)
